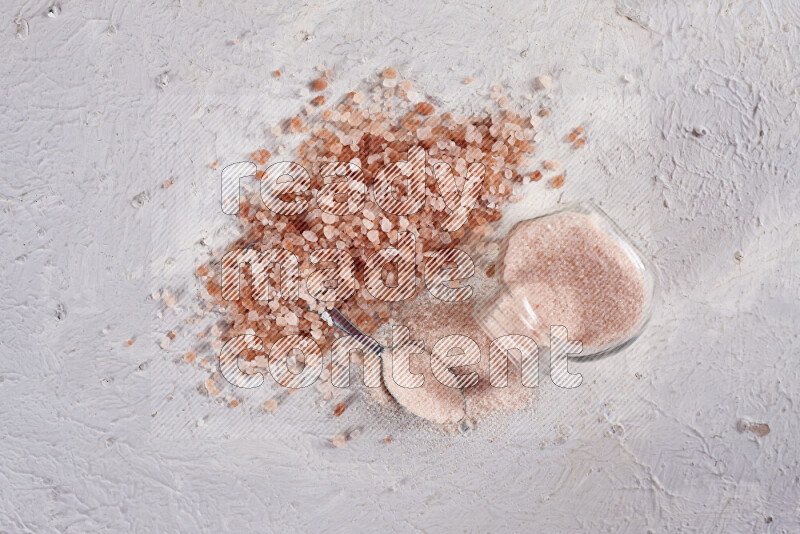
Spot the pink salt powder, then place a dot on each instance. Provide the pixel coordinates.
(573, 273)
(429, 320)
(432, 400)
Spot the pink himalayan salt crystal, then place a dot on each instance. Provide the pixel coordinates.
(574, 274)
(551, 164)
(544, 81)
(211, 387)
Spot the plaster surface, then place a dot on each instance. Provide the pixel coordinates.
(692, 115)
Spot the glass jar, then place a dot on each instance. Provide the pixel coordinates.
(572, 267)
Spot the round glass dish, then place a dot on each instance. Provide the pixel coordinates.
(574, 267)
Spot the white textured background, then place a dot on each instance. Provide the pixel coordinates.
(695, 153)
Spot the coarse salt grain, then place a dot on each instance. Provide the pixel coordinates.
(320, 84)
(424, 108)
(339, 410)
(551, 164)
(544, 81)
(211, 387)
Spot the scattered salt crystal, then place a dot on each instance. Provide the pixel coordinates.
(211, 387)
(551, 164)
(544, 81)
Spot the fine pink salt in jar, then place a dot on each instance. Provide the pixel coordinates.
(572, 267)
